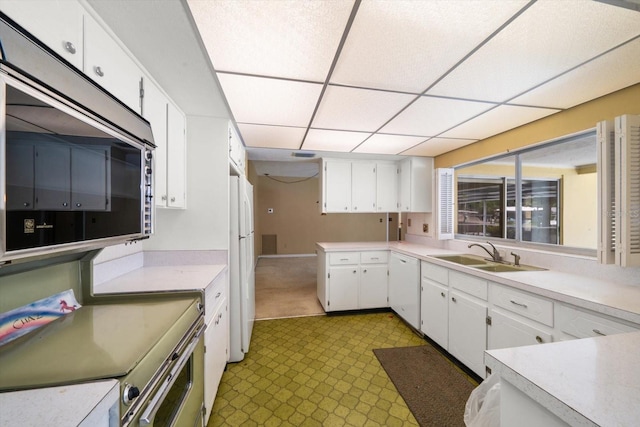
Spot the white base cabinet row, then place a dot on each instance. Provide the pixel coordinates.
(462, 313)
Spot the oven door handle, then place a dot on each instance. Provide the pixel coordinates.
(154, 404)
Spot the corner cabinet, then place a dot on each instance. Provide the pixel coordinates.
(352, 280)
(415, 185)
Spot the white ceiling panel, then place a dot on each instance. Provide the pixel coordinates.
(394, 44)
(333, 140)
(388, 144)
(546, 40)
(496, 121)
(436, 146)
(294, 39)
(430, 116)
(358, 109)
(270, 101)
(271, 136)
(609, 73)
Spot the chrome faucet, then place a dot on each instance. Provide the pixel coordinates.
(494, 256)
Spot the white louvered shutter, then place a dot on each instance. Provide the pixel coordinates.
(445, 201)
(627, 186)
(606, 192)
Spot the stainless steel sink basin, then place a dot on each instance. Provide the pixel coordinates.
(463, 259)
(505, 268)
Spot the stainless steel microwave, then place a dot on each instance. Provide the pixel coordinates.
(76, 164)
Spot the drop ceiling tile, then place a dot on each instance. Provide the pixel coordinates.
(270, 101)
(293, 39)
(271, 136)
(546, 40)
(436, 146)
(344, 108)
(498, 120)
(429, 116)
(407, 45)
(611, 72)
(331, 140)
(388, 144)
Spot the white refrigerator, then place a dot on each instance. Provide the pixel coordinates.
(242, 305)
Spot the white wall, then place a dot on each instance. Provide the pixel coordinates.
(204, 225)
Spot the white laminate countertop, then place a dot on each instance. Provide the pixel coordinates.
(613, 299)
(586, 382)
(58, 406)
(163, 279)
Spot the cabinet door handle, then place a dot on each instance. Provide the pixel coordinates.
(98, 71)
(539, 339)
(597, 332)
(65, 204)
(376, 258)
(218, 295)
(26, 204)
(78, 205)
(453, 299)
(354, 271)
(173, 199)
(69, 47)
(346, 208)
(403, 261)
(164, 198)
(442, 294)
(355, 208)
(519, 304)
(344, 259)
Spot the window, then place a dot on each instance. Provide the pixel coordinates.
(545, 194)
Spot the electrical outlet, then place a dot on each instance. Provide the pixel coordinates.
(425, 228)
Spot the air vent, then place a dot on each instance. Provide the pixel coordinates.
(305, 154)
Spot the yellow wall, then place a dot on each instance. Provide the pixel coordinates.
(576, 119)
(580, 211)
(297, 222)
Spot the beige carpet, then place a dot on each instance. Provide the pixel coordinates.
(286, 287)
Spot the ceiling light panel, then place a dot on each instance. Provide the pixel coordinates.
(365, 110)
(546, 40)
(331, 140)
(388, 144)
(611, 72)
(261, 100)
(293, 39)
(429, 116)
(496, 121)
(407, 45)
(436, 146)
(271, 136)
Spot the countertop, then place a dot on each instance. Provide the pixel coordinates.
(59, 406)
(620, 301)
(163, 279)
(586, 382)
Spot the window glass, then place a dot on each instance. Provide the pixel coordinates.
(546, 194)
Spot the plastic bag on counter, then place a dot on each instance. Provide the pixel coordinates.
(483, 406)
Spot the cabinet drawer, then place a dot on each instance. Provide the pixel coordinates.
(469, 284)
(374, 257)
(582, 324)
(506, 331)
(527, 305)
(435, 272)
(213, 296)
(343, 258)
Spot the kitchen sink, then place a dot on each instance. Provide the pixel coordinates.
(463, 259)
(506, 268)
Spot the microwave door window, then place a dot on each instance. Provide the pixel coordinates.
(66, 180)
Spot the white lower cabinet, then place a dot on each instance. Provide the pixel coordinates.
(468, 330)
(578, 323)
(434, 312)
(404, 287)
(506, 330)
(353, 280)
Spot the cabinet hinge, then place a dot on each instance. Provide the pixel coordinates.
(489, 320)
(488, 370)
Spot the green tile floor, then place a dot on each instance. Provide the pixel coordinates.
(316, 371)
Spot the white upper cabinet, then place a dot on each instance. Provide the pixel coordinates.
(237, 151)
(386, 187)
(363, 187)
(154, 109)
(336, 180)
(415, 185)
(106, 63)
(56, 23)
(176, 158)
